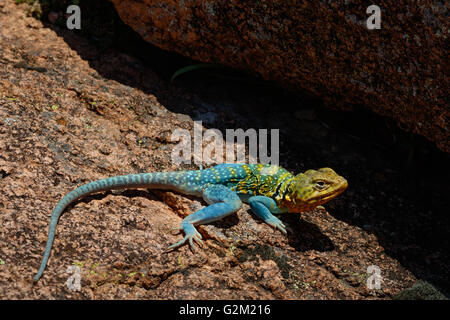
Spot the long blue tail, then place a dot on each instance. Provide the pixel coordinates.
(155, 180)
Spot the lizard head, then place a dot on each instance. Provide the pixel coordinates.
(313, 188)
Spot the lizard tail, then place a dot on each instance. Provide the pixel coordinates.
(160, 180)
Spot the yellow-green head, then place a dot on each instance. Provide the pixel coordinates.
(312, 188)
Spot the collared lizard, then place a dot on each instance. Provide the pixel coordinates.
(268, 189)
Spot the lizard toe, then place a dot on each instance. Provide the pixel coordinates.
(178, 244)
(198, 240)
(277, 224)
(192, 245)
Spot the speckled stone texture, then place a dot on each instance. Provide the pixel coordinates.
(399, 71)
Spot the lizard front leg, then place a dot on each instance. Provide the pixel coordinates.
(222, 202)
(263, 207)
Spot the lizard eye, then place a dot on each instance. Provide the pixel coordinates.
(320, 184)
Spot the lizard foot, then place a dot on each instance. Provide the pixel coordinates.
(276, 223)
(191, 235)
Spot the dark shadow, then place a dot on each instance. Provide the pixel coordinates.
(226, 223)
(398, 183)
(305, 235)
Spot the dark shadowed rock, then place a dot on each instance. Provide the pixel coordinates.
(421, 290)
(324, 47)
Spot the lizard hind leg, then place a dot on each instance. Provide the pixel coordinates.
(222, 202)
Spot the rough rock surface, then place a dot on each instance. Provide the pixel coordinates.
(71, 113)
(399, 71)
